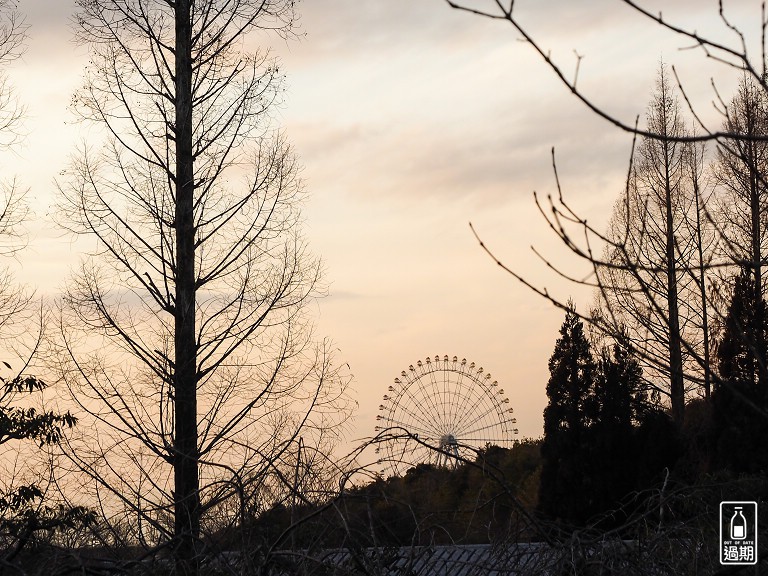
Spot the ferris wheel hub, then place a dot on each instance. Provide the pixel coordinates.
(447, 441)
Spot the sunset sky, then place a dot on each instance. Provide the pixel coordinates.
(411, 120)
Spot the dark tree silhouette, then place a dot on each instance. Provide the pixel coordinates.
(185, 335)
(622, 401)
(27, 427)
(740, 426)
(737, 352)
(598, 428)
(735, 141)
(649, 290)
(25, 510)
(565, 491)
(739, 172)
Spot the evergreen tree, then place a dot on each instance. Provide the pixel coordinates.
(205, 384)
(598, 426)
(565, 490)
(740, 424)
(621, 401)
(744, 339)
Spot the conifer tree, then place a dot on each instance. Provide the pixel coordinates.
(184, 336)
(596, 428)
(621, 400)
(741, 345)
(565, 490)
(739, 422)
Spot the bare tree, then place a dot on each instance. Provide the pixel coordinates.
(185, 334)
(742, 192)
(733, 140)
(648, 289)
(733, 53)
(705, 241)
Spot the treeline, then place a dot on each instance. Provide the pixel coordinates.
(475, 502)
(185, 344)
(669, 383)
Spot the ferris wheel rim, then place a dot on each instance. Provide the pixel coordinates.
(443, 398)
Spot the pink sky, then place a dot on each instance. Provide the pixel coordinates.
(412, 120)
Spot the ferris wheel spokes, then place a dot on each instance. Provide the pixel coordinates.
(451, 407)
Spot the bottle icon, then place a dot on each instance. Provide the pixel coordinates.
(738, 525)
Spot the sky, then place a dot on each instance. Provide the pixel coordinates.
(412, 120)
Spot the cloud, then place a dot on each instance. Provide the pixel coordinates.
(494, 155)
(47, 16)
(413, 100)
(342, 29)
(336, 296)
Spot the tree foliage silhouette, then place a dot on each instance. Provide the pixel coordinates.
(622, 402)
(565, 491)
(27, 428)
(740, 426)
(598, 428)
(24, 509)
(740, 174)
(740, 143)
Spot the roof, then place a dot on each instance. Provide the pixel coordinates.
(467, 560)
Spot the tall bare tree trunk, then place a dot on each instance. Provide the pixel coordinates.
(695, 163)
(756, 255)
(647, 287)
(740, 176)
(676, 386)
(186, 481)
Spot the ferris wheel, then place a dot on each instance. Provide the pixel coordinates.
(441, 410)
